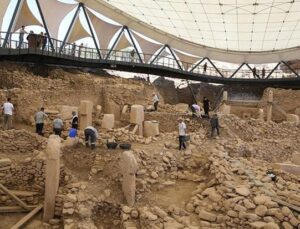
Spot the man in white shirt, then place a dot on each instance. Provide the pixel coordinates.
(21, 36)
(182, 134)
(155, 100)
(91, 135)
(7, 109)
(58, 125)
(39, 121)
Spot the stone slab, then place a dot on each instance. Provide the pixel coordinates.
(108, 121)
(290, 168)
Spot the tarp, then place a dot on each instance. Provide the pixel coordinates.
(148, 48)
(54, 12)
(3, 8)
(104, 31)
(186, 60)
(25, 17)
(78, 31)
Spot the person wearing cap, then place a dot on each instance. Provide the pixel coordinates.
(214, 122)
(155, 100)
(74, 120)
(58, 125)
(182, 133)
(39, 121)
(91, 135)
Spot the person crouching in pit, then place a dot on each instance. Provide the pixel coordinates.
(91, 135)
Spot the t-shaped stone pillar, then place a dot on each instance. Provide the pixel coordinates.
(225, 96)
(128, 166)
(261, 114)
(137, 116)
(86, 112)
(52, 175)
(269, 106)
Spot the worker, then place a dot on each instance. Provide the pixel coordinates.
(155, 100)
(182, 133)
(58, 125)
(74, 120)
(196, 110)
(214, 122)
(39, 121)
(206, 106)
(91, 135)
(7, 110)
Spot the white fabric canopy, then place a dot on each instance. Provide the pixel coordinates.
(25, 17)
(78, 32)
(54, 12)
(3, 8)
(105, 31)
(148, 48)
(186, 60)
(122, 43)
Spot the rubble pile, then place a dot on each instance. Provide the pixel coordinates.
(272, 142)
(20, 141)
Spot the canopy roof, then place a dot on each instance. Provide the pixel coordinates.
(240, 25)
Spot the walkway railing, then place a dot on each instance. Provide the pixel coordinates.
(35, 44)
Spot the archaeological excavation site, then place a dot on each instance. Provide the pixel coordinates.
(136, 177)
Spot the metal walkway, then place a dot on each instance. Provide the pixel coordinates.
(65, 54)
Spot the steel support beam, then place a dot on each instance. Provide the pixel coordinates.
(12, 22)
(233, 74)
(45, 24)
(134, 45)
(70, 28)
(158, 54)
(91, 29)
(193, 68)
(271, 72)
(172, 53)
(289, 67)
(215, 67)
(114, 44)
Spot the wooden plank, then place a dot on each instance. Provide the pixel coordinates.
(11, 209)
(19, 201)
(284, 203)
(26, 218)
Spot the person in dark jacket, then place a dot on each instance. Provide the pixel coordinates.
(214, 122)
(74, 120)
(206, 106)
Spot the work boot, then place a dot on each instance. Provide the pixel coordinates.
(93, 146)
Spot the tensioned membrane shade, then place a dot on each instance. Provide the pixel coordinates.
(186, 60)
(3, 8)
(54, 12)
(25, 17)
(105, 31)
(148, 48)
(122, 43)
(163, 54)
(78, 32)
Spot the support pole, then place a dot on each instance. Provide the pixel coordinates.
(12, 22)
(114, 44)
(193, 68)
(192, 92)
(289, 67)
(45, 24)
(69, 29)
(134, 45)
(172, 53)
(233, 74)
(269, 106)
(271, 72)
(162, 49)
(91, 29)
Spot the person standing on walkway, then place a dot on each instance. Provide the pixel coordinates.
(155, 100)
(44, 41)
(21, 36)
(91, 135)
(80, 49)
(7, 109)
(58, 125)
(204, 68)
(39, 121)
(74, 120)
(206, 106)
(214, 122)
(182, 133)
